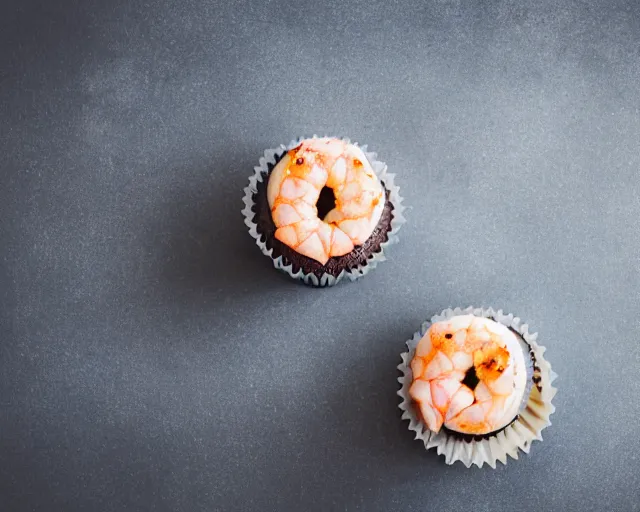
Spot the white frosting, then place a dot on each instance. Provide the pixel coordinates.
(297, 180)
(443, 357)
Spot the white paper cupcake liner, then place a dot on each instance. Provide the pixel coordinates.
(518, 435)
(380, 168)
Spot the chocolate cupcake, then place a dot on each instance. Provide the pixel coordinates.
(475, 386)
(323, 209)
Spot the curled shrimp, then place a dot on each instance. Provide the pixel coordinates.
(294, 189)
(469, 375)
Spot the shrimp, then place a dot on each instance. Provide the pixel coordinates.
(294, 188)
(469, 375)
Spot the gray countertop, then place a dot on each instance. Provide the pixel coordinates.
(152, 359)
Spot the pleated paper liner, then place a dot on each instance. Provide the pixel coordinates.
(261, 172)
(508, 442)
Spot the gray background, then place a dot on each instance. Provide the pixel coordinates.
(151, 358)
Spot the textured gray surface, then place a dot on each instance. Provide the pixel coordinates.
(150, 357)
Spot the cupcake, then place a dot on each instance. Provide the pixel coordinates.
(475, 386)
(322, 209)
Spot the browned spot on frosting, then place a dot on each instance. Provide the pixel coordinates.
(444, 343)
(490, 361)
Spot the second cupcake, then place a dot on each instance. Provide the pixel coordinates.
(476, 386)
(322, 209)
